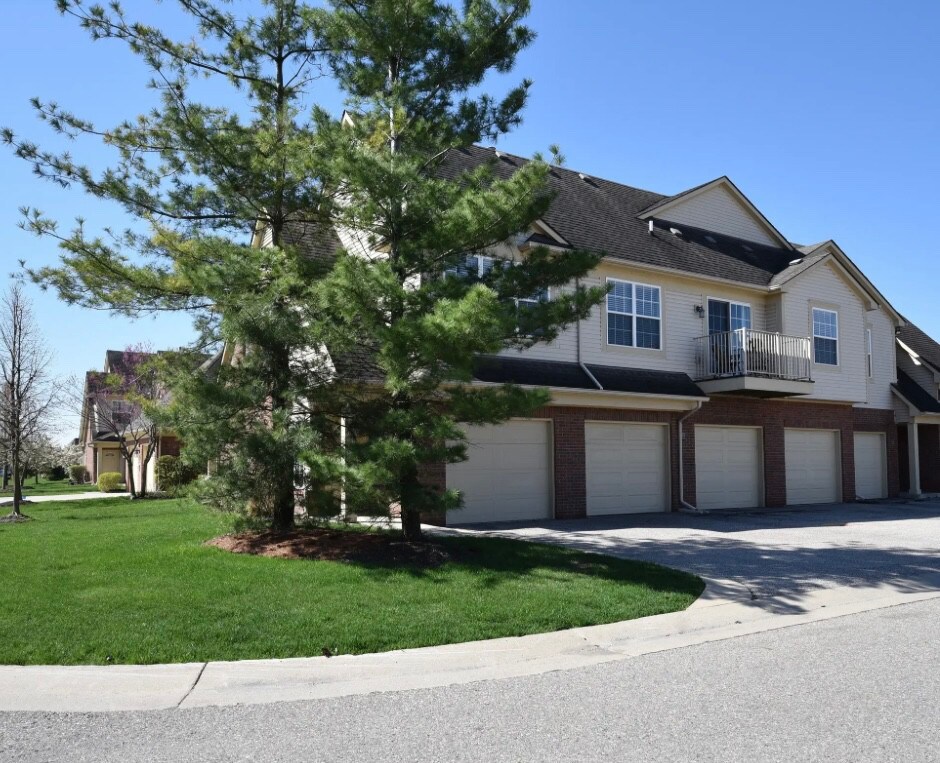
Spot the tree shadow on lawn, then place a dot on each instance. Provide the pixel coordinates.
(487, 562)
(778, 577)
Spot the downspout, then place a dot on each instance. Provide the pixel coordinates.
(682, 502)
(577, 342)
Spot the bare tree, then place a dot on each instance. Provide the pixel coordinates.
(30, 393)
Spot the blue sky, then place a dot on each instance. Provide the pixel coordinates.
(825, 114)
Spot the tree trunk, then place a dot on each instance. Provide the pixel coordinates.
(410, 515)
(129, 471)
(283, 499)
(17, 485)
(143, 473)
(411, 525)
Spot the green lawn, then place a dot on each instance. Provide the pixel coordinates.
(131, 582)
(48, 487)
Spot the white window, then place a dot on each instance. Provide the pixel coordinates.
(527, 303)
(634, 315)
(474, 265)
(869, 363)
(826, 336)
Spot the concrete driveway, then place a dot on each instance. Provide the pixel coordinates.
(780, 556)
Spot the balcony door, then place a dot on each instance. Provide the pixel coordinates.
(725, 321)
(727, 316)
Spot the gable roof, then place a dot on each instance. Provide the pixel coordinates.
(830, 250)
(662, 208)
(603, 216)
(615, 220)
(915, 395)
(926, 348)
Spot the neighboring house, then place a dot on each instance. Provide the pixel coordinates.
(728, 367)
(101, 410)
(917, 409)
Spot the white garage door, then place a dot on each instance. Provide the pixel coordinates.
(727, 467)
(507, 476)
(813, 473)
(627, 468)
(870, 465)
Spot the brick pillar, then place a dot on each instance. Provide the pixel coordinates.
(687, 450)
(847, 436)
(569, 466)
(775, 466)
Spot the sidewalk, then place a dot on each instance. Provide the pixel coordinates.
(65, 497)
(725, 610)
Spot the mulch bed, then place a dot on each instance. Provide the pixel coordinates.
(334, 546)
(13, 518)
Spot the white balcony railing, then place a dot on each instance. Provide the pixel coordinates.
(747, 352)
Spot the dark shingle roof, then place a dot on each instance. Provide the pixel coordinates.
(566, 375)
(316, 242)
(920, 343)
(792, 271)
(915, 394)
(601, 216)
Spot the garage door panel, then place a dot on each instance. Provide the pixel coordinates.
(813, 466)
(507, 474)
(627, 468)
(870, 465)
(728, 467)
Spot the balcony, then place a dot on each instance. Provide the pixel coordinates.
(757, 363)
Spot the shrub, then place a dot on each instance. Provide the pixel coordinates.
(172, 474)
(108, 482)
(57, 473)
(77, 473)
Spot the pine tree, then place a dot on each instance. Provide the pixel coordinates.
(412, 72)
(197, 181)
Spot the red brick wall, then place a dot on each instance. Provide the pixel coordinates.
(433, 476)
(169, 446)
(774, 416)
(569, 468)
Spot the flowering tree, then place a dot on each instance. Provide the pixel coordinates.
(124, 399)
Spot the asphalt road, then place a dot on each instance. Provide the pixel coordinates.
(864, 687)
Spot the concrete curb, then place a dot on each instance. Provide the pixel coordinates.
(725, 610)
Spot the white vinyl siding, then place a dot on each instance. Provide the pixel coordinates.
(813, 470)
(507, 475)
(718, 210)
(825, 336)
(627, 468)
(871, 480)
(822, 286)
(634, 313)
(728, 467)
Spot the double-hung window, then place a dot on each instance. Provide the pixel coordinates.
(473, 265)
(869, 360)
(634, 315)
(826, 336)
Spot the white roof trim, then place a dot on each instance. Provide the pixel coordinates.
(657, 209)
